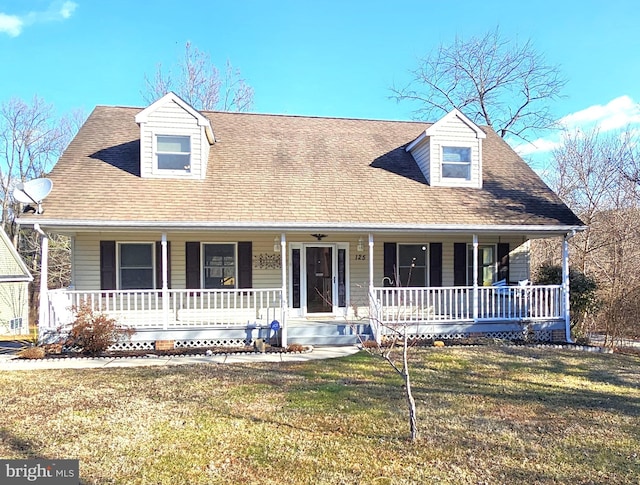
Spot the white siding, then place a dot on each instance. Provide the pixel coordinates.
(172, 119)
(14, 303)
(456, 133)
(86, 258)
(422, 155)
(519, 259)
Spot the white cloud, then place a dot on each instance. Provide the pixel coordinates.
(539, 145)
(67, 9)
(10, 24)
(618, 113)
(58, 10)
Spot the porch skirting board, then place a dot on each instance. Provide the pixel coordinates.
(339, 333)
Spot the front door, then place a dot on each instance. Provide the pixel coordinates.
(319, 261)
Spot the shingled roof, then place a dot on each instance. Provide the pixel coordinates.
(289, 171)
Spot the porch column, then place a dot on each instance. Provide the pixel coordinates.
(565, 287)
(165, 284)
(371, 264)
(374, 322)
(475, 278)
(284, 304)
(43, 314)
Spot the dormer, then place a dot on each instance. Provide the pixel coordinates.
(174, 140)
(449, 152)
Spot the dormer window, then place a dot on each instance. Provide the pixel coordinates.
(173, 153)
(456, 163)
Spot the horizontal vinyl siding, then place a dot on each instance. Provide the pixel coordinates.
(422, 155)
(13, 302)
(447, 252)
(171, 119)
(86, 260)
(519, 259)
(455, 133)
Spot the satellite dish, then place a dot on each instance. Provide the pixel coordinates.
(33, 192)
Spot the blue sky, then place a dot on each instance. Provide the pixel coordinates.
(324, 58)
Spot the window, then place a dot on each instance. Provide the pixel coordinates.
(487, 268)
(136, 266)
(219, 265)
(412, 264)
(15, 324)
(456, 163)
(174, 153)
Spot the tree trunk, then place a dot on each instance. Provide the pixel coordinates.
(413, 419)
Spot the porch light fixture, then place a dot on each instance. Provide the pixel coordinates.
(276, 244)
(360, 246)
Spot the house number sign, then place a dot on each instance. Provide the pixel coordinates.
(361, 257)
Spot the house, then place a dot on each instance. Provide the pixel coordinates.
(203, 228)
(14, 290)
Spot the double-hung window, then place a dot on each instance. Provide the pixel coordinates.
(456, 163)
(487, 264)
(219, 261)
(173, 153)
(412, 265)
(136, 266)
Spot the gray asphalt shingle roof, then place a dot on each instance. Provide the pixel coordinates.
(292, 169)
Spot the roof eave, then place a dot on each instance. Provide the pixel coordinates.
(261, 226)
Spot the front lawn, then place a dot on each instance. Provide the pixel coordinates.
(487, 415)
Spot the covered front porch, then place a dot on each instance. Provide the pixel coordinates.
(338, 289)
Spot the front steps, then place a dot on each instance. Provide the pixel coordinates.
(330, 332)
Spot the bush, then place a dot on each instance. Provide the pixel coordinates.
(583, 298)
(32, 353)
(295, 348)
(94, 332)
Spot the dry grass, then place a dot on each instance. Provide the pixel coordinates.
(487, 415)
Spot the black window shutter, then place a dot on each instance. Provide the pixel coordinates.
(159, 264)
(107, 265)
(460, 264)
(390, 261)
(245, 263)
(503, 262)
(435, 264)
(192, 256)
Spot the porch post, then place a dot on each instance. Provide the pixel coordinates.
(43, 310)
(371, 264)
(283, 302)
(165, 284)
(565, 287)
(475, 278)
(374, 322)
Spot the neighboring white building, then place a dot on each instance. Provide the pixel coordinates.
(14, 290)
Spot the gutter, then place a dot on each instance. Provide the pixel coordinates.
(300, 226)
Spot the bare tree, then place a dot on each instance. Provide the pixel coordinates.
(395, 351)
(30, 142)
(497, 82)
(201, 84)
(591, 174)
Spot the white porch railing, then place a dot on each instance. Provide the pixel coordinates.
(456, 304)
(175, 309)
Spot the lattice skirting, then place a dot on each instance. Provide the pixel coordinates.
(150, 345)
(537, 335)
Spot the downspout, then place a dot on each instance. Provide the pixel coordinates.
(565, 285)
(43, 315)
